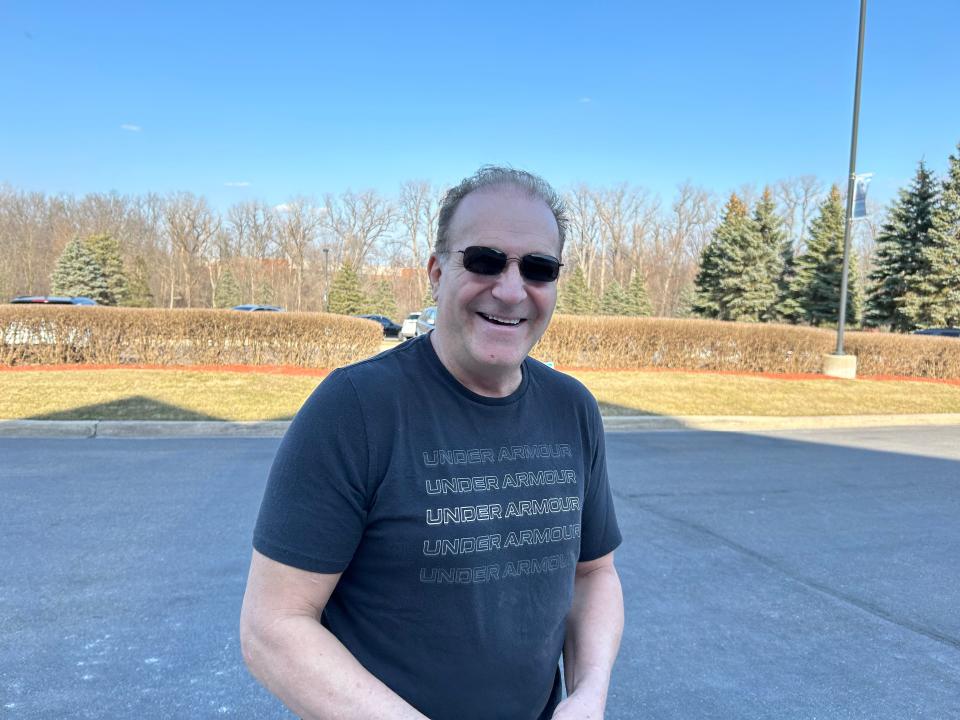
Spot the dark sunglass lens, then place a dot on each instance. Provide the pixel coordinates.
(484, 260)
(539, 268)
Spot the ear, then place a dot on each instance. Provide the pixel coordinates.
(434, 271)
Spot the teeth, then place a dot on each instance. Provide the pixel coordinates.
(502, 321)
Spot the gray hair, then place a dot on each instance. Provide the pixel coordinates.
(491, 176)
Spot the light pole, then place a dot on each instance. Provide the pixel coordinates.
(326, 281)
(851, 182)
(839, 364)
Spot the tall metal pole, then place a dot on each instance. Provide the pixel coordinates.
(851, 184)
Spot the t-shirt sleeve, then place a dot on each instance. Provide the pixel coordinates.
(600, 533)
(315, 504)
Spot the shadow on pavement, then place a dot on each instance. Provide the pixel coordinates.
(135, 407)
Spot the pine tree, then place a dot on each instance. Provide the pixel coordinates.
(773, 253)
(265, 294)
(77, 272)
(932, 296)
(748, 290)
(383, 301)
(138, 290)
(346, 294)
(227, 293)
(106, 251)
(428, 299)
(816, 285)
(638, 300)
(576, 298)
(614, 300)
(900, 254)
(731, 269)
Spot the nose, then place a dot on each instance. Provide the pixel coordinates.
(509, 287)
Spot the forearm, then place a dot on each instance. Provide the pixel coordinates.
(309, 669)
(594, 628)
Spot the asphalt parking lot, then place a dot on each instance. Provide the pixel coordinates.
(792, 574)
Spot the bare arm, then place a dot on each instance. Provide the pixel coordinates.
(300, 661)
(594, 627)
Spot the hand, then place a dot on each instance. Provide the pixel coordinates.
(580, 706)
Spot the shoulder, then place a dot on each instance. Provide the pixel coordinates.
(562, 386)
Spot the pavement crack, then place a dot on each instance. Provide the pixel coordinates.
(819, 587)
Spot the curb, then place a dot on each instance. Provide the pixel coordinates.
(89, 429)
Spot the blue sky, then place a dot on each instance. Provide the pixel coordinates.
(268, 100)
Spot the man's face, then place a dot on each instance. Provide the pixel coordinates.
(486, 324)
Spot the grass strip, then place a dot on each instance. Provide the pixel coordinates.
(138, 394)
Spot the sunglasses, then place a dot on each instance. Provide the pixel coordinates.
(490, 261)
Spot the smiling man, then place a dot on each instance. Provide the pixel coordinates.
(438, 527)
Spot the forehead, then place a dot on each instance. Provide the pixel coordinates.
(506, 218)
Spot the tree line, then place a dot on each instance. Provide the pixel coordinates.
(751, 271)
(627, 251)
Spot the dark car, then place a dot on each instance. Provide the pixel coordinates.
(390, 328)
(944, 332)
(258, 308)
(426, 321)
(52, 300)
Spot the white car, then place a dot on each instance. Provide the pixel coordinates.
(409, 328)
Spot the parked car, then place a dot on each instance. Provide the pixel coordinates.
(258, 308)
(945, 332)
(52, 300)
(409, 327)
(390, 328)
(426, 321)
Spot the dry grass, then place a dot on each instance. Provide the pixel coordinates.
(129, 394)
(678, 393)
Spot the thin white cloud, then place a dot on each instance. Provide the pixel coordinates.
(282, 207)
(585, 100)
(238, 183)
(131, 128)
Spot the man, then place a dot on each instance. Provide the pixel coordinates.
(437, 525)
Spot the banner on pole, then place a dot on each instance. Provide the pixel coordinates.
(860, 194)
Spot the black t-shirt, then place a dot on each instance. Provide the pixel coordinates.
(456, 519)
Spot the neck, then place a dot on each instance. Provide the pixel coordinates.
(489, 382)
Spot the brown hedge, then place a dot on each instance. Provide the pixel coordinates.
(624, 343)
(44, 335)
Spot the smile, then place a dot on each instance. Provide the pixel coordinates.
(509, 322)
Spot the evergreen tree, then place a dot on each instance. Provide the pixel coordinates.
(138, 290)
(265, 294)
(346, 294)
(106, 251)
(383, 301)
(731, 269)
(576, 298)
(428, 297)
(816, 285)
(748, 290)
(706, 286)
(932, 296)
(227, 293)
(77, 272)
(900, 254)
(773, 253)
(638, 300)
(614, 300)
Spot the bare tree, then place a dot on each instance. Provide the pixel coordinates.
(253, 225)
(798, 198)
(357, 222)
(678, 243)
(583, 237)
(418, 211)
(299, 222)
(190, 226)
